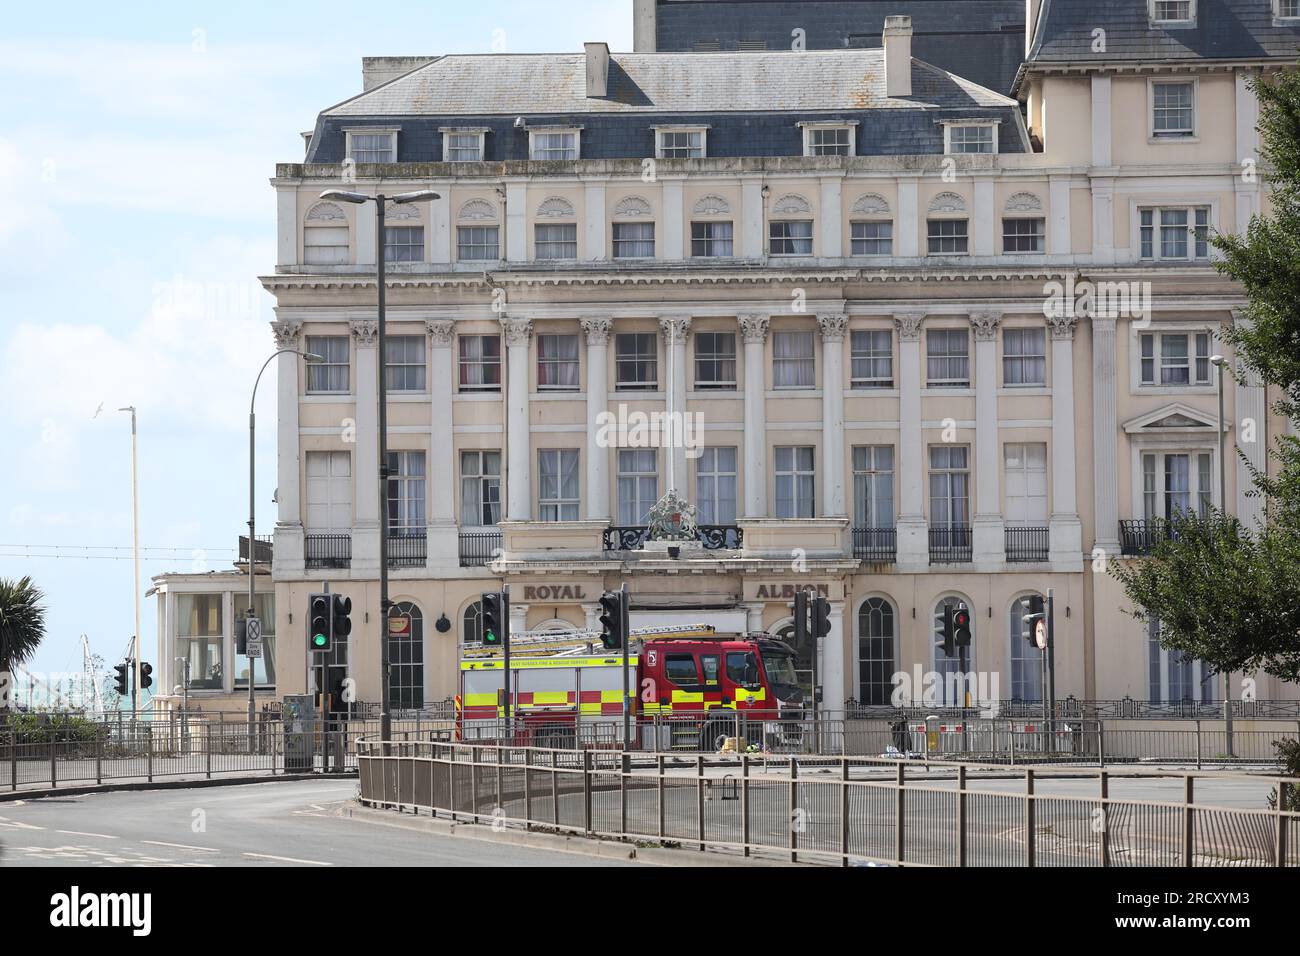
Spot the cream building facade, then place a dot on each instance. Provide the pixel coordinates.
(862, 284)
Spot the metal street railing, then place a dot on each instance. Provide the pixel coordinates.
(845, 810)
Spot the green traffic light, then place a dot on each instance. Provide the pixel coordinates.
(318, 640)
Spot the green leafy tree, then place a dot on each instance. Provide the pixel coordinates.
(1225, 593)
(22, 621)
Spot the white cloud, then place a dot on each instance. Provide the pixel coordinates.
(188, 360)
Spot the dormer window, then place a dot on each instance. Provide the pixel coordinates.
(1286, 10)
(970, 138)
(552, 144)
(372, 145)
(463, 145)
(829, 139)
(681, 142)
(1173, 12)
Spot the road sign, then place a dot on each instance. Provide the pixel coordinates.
(253, 637)
(1040, 634)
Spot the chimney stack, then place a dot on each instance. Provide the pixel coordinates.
(898, 56)
(597, 69)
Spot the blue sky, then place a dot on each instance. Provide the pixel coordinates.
(136, 144)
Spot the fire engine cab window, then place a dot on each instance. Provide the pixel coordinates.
(681, 670)
(711, 664)
(742, 668)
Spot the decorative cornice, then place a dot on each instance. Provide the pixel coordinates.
(1062, 326)
(366, 332)
(833, 326)
(909, 326)
(597, 330)
(518, 331)
(675, 328)
(288, 334)
(985, 324)
(442, 332)
(753, 328)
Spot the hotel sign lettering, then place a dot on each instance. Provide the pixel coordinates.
(554, 592)
(786, 592)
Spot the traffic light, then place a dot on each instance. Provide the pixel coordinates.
(800, 618)
(341, 618)
(943, 627)
(821, 617)
(1037, 611)
(122, 683)
(495, 626)
(241, 636)
(961, 626)
(320, 634)
(611, 620)
(145, 680)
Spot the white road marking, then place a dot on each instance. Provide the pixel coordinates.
(286, 859)
(18, 826)
(182, 846)
(102, 836)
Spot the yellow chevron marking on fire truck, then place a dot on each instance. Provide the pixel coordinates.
(529, 663)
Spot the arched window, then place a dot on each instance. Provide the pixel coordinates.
(405, 657)
(948, 668)
(471, 631)
(1025, 657)
(876, 642)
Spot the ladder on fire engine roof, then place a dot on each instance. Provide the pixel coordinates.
(581, 638)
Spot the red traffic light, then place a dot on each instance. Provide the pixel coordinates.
(961, 618)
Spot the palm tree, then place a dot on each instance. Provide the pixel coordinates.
(22, 622)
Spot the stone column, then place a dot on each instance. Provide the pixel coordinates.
(1249, 433)
(518, 333)
(289, 534)
(832, 664)
(591, 613)
(676, 330)
(909, 477)
(753, 616)
(1066, 532)
(444, 540)
(1105, 435)
(597, 492)
(365, 463)
(753, 330)
(989, 539)
(833, 328)
(518, 620)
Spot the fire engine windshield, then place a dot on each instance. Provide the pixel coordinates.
(781, 674)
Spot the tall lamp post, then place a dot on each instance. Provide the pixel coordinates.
(1219, 362)
(380, 200)
(252, 537)
(137, 698)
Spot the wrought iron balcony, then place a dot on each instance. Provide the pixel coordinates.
(408, 548)
(478, 547)
(1027, 544)
(951, 545)
(714, 537)
(1138, 537)
(328, 550)
(875, 545)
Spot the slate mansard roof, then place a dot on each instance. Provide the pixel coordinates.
(1224, 29)
(982, 40)
(751, 103)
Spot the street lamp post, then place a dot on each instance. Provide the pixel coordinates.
(252, 537)
(1219, 362)
(380, 200)
(137, 698)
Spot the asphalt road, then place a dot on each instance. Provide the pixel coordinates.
(270, 824)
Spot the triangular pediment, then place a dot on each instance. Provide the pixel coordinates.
(1171, 418)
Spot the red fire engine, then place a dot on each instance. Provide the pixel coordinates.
(687, 683)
